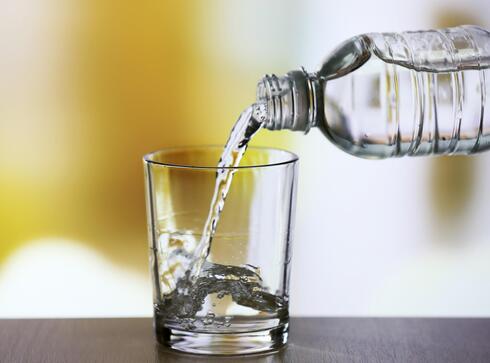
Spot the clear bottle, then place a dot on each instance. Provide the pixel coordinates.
(385, 95)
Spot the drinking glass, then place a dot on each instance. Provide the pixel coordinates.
(237, 302)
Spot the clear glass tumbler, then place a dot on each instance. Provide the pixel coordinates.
(237, 302)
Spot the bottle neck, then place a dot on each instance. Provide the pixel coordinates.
(293, 102)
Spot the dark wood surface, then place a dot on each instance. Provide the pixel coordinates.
(311, 340)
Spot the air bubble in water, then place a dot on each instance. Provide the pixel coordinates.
(209, 318)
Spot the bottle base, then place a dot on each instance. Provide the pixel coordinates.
(253, 342)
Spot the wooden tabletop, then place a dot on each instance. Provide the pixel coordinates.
(311, 340)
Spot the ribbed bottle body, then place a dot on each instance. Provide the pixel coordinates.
(412, 93)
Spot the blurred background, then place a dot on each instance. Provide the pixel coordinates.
(88, 87)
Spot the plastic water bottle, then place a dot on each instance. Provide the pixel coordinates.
(382, 95)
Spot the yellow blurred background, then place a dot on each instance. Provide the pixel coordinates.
(88, 87)
(94, 86)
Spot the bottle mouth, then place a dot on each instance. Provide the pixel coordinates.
(273, 92)
(289, 100)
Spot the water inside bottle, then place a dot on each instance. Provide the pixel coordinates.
(384, 98)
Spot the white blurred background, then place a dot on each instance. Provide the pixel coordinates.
(87, 91)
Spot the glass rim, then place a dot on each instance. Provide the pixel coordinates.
(290, 159)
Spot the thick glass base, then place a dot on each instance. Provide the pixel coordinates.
(223, 343)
